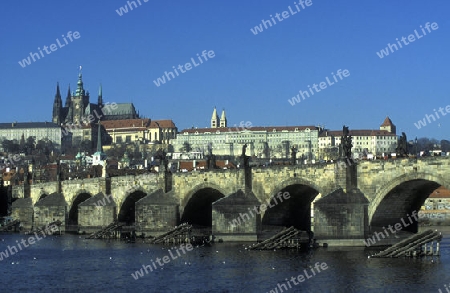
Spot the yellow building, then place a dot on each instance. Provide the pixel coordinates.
(140, 130)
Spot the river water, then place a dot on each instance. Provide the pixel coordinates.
(70, 263)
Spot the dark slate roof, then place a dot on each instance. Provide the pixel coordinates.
(28, 125)
(121, 109)
(99, 199)
(159, 197)
(23, 203)
(54, 199)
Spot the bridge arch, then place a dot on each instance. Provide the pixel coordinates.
(197, 205)
(290, 204)
(185, 199)
(401, 196)
(42, 194)
(288, 182)
(127, 210)
(79, 197)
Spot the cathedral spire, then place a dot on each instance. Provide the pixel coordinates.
(100, 97)
(68, 98)
(57, 105)
(58, 94)
(80, 90)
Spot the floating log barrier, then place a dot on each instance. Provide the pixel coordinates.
(11, 226)
(108, 231)
(179, 234)
(46, 228)
(414, 246)
(287, 238)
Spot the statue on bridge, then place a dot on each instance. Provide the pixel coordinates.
(244, 157)
(210, 158)
(402, 146)
(162, 157)
(346, 143)
(294, 155)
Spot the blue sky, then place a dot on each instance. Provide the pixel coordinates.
(251, 76)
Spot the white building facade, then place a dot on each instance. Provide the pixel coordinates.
(37, 130)
(377, 142)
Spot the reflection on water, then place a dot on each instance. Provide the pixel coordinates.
(75, 264)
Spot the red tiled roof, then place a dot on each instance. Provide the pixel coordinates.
(440, 192)
(189, 165)
(167, 123)
(7, 176)
(221, 164)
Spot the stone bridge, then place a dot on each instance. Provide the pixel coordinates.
(346, 200)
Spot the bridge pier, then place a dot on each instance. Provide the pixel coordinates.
(341, 218)
(22, 209)
(234, 218)
(96, 212)
(50, 209)
(157, 213)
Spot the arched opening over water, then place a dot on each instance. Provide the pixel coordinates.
(198, 210)
(127, 212)
(294, 211)
(73, 213)
(398, 205)
(42, 196)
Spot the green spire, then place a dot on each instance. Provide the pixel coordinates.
(100, 97)
(80, 90)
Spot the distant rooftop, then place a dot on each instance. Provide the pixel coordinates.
(254, 128)
(28, 125)
(357, 132)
